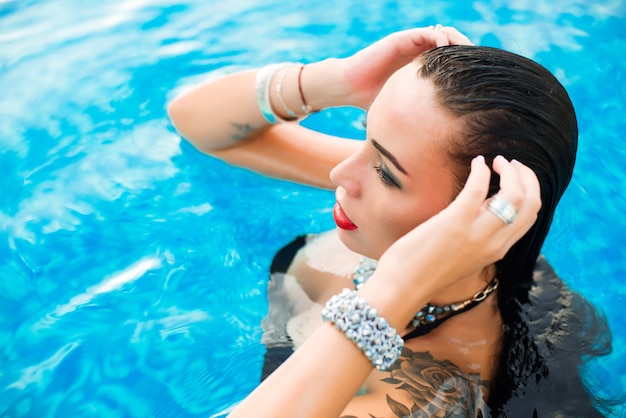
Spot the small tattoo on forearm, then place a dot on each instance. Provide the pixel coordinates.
(243, 129)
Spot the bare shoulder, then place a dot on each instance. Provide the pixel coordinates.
(324, 266)
(420, 385)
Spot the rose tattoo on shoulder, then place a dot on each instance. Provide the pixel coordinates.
(439, 388)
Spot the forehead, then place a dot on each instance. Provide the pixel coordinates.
(407, 119)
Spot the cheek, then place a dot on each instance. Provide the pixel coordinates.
(393, 222)
(389, 222)
(397, 221)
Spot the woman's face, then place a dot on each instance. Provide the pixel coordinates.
(402, 174)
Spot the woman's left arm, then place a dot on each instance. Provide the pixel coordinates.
(222, 117)
(322, 377)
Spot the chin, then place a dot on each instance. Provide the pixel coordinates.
(351, 241)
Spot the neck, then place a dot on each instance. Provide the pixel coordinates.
(466, 288)
(460, 298)
(432, 316)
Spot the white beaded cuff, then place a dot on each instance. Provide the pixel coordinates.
(263, 83)
(361, 323)
(263, 80)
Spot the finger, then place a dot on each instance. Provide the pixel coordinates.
(519, 189)
(422, 39)
(473, 194)
(440, 36)
(455, 37)
(412, 42)
(441, 39)
(511, 185)
(528, 209)
(502, 209)
(531, 185)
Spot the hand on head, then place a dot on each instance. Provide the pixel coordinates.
(366, 71)
(467, 236)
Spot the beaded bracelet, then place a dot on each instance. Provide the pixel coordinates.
(361, 323)
(306, 108)
(279, 95)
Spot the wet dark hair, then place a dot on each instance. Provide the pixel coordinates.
(511, 106)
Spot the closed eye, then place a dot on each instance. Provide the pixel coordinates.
(385, 177)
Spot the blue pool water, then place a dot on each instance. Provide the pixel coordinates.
(133, 268)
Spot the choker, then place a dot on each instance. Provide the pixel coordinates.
(430, 316)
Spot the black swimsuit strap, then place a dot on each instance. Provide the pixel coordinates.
(425, 329)
(283, 258)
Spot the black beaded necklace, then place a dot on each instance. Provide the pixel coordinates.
(430, 316)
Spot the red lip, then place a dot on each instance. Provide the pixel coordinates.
(341, 219)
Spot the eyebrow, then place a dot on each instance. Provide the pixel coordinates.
(389, 156)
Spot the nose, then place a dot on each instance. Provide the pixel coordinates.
(346, 175)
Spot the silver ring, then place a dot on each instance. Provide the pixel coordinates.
(438, 26)
(503, 209)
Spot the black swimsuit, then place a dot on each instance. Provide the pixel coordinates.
(280, 347)
(278, 352)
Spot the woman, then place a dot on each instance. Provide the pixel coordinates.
(468, 151)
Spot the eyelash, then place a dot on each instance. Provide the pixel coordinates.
(384, 177)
